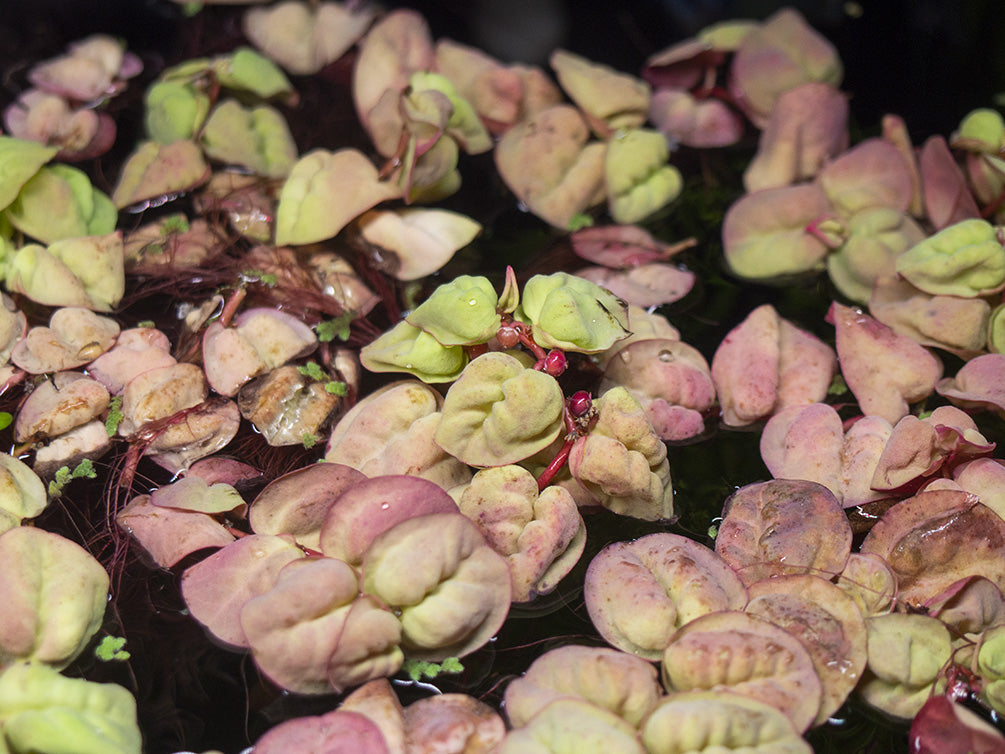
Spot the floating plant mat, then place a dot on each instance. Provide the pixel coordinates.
(338, 352)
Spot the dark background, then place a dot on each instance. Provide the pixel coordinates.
(930, 61)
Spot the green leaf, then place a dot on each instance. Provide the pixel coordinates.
(984, 127)
(176, 223)
(499, 412)
(419, 669)
(5, 419)
(463, 124)
(154, 170)
(61, 479)
(255, 138)
(259, 276)
(57, 590)
(309, 440)
(579, 221)
(249, 71)
(175, 110)
(64, 476)
(405, 348)
(461, 312)
(338, 327)
(59, 202)
(639, 180)
(115, 415)
(84, 469)
(572, 313)
(335, 387)
(85, 271)
(965, 259)
(111, 648)
(838, 386)
(324, 192)
(45, 711)
(313, 370)
(22, 494)
(20, 160)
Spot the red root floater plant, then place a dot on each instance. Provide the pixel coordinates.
(270, 234)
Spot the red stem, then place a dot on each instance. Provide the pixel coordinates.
(232, 305)
(527, 340)
(476, 350)
(571, 435)
(556, 465)
(821, 235)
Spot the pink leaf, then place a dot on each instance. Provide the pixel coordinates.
(784, 526)
(947, 198)
(885, 371)
(980, 383)
(296, 502)
(369, 508)
(652, 284)
(699, 123)
(547, 162)
(895, 132)
(619, 246)
(396, 47)
(170, 534)
(337, 732)
(808, 127)
(765, 364)
(216, 589)
(873, 173)
(781, 54)
(764, 234)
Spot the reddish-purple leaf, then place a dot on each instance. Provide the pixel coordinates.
(216, 589)
(784, 526)
(935, 538)
(620, 246)
(947, 197)
(942, 727)
(980, 384)
(296, 503)
(652, 284)
(370, 507)
(337, 732)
